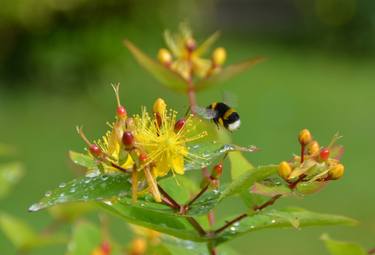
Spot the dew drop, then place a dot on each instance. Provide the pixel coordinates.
(215, 191)
(142, 205)
(273, 221)
(236, 224)
(85, 197)
(92, 174)
(232, 229)
(252, 227)
(108, 202)
(48, 193)
(104, 177)
(122, 194)
(62, 185)
(87, 180)
(72, 190)
(36, 207)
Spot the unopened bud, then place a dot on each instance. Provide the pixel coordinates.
(336, 172)
(121, 112)
(106, 248)
(284, 170)
(128, 139)
(324, 154)
(95, 150)
(217, 171)
(138, 246)
(219, 56)
(159, 107)
(179, 125)
(313, 148)
(143, 157)
(190, 44)
(164, 56)
(304, 137)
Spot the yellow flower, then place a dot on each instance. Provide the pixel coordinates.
(165, 147)
(188, 59)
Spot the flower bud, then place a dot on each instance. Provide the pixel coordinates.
(138, 246)
(313, 148)
(159, 106)
(284, 170)
(324, 154)
(179, 125)
(219, 56)
(128, 139)
(143, 157)
(121, 112)
(217, 171)
(95, 150)
(190, 44)
(304, 137)
(336, 172)
(106, 248)
(164, 56)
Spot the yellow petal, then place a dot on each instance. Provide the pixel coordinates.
(178, 164)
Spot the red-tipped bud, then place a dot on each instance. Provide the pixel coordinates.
(179, 125)
(128, 139)
(324, 154)
(143, 157)
(190, 44)
(218, 170)
(121, 112)
(95, 150)
(106, 247)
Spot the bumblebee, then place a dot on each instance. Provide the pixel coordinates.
(221, 114)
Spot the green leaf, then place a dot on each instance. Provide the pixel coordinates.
(22, 236)
(83, 160)
(342, 248)
(227, 73)
(239, 165)
(114, 189)
(281, 219)
(85, 239)
(70, 212)
(207, 44)
(164, 75)
(10, 174)
(168, 224)
(247, 179)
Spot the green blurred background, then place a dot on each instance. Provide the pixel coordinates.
(58, 58)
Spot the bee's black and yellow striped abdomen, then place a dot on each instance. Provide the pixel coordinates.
(226, 116)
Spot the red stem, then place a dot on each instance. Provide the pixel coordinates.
(229, 223)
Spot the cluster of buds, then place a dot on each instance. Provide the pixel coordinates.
(184, 56)
(216, 173)
(145, 146)
(104, 249)
(315, 163)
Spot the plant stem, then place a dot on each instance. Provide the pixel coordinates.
(267, 203)
(171, 200)
(229, 223)
(204, 189)
(192, 96)
(196, 225)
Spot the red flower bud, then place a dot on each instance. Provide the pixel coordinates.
(128, 138)
(179, 125)
(95, 150)
(106, 247)
(218, 170)
(121, 111)
(143, 157)
(324, 154)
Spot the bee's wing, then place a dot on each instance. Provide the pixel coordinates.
(205, 112)
(230, 98)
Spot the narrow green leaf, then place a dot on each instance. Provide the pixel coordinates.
(10, 174)
(246, 180)
(342, 248)
(281, 219)
(83, 160)
(86, 237)
(207, 44)
(239, 165)
(227, 73)
(167, 77)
